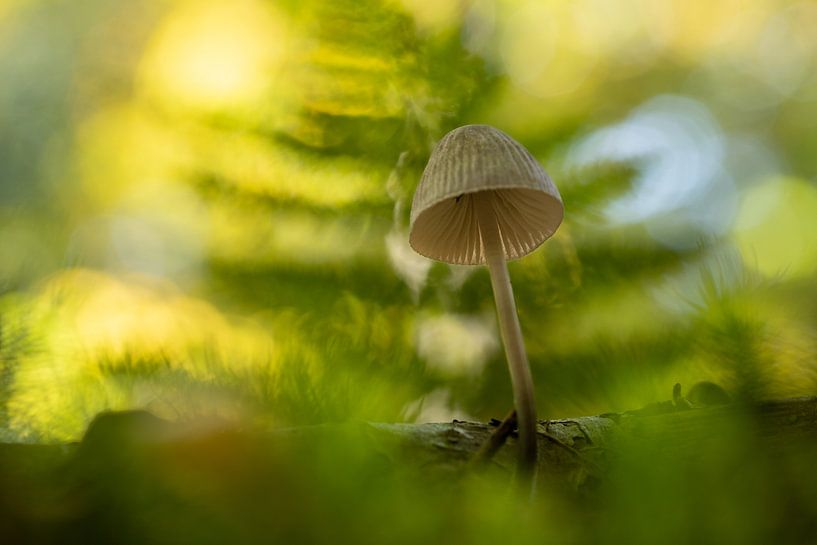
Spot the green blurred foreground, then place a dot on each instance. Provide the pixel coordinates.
(137, 479)
(203, 213)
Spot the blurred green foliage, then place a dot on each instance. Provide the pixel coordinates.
(204, 209)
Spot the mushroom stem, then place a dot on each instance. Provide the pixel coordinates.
(521, 379)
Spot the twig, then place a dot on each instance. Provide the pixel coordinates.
(497, 438)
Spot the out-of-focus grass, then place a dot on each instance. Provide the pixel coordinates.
(135, 479)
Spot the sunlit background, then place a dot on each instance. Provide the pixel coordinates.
(204, 206)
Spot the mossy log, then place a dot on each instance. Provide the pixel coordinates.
(574, 453)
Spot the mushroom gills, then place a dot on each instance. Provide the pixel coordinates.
(449, 232)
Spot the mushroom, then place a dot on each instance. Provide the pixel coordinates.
(483, 199)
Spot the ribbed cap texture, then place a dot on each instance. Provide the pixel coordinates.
(477, 158)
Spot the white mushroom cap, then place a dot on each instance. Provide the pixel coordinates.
(478, 158)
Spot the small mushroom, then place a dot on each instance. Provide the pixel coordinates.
(483, 199)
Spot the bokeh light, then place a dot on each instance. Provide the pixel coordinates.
(680, 152)
(456, 345)
(776, 230)
(215, 55)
